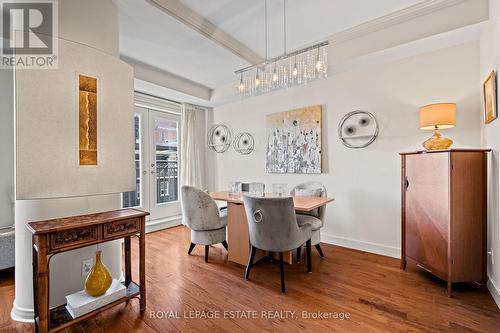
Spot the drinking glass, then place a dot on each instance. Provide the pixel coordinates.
(280, 190)
(235, 188)
(256, 189)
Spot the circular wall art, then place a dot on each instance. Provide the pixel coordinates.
(358, 129)
(243, 143)
(219, 138)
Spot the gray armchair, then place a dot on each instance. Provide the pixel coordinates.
(316, 217)
(201, 214)
(273, 227)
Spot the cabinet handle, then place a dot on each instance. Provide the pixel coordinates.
(407, 183)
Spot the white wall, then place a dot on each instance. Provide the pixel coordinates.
(365, 182)
(93, 23)
(6, 148)
(489, 60)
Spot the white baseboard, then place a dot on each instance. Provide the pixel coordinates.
(160, 224)
(388, 251)
(495, 291)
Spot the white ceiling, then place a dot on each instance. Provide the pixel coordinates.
(153, 37)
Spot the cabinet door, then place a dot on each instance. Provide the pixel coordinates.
(427, 210)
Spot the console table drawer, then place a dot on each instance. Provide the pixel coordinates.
(73, 237)
(118, 228)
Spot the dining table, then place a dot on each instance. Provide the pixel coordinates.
(237, 227)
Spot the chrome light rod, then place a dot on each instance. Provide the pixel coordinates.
(281, 57)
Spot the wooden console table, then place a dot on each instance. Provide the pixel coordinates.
(64, 234)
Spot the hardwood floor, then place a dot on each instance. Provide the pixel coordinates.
(377, 295)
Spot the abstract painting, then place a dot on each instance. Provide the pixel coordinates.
(490, 98)
(88, 120)
(294, 141)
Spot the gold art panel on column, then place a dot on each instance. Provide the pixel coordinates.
(87, 120)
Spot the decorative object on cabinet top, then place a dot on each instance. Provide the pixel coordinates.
(358, 129)
(436, 117)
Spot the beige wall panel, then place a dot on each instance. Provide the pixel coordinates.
(47, 163)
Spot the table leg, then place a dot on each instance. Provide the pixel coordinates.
(142, 267)
(41, 285)
(128, 261)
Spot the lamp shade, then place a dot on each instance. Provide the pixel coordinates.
(438, 116)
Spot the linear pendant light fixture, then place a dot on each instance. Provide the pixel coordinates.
(290, 69)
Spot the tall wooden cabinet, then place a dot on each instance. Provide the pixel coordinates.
(443, 213)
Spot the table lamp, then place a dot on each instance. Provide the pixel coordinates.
(436, 117)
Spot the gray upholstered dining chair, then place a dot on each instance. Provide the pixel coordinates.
(201, 214)
(316, 217)
(273, 227)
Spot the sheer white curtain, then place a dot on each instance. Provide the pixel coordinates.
(193, 133)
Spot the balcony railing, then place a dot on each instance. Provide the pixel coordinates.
(167, 184)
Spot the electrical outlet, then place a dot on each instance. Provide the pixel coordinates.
(87, 266)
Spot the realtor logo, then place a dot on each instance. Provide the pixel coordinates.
(29, 34)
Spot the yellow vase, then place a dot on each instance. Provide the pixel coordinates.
(99, 280)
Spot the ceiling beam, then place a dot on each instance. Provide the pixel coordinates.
(195, 21)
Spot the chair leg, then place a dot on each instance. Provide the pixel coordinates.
(207, 247)
(299, 253)
(224, 243)
(250, 262)
(282, 273)
(318, 248)
(308, 254)
(191, 247)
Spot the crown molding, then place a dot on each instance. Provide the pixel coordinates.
(195, 21)
(394, 18)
